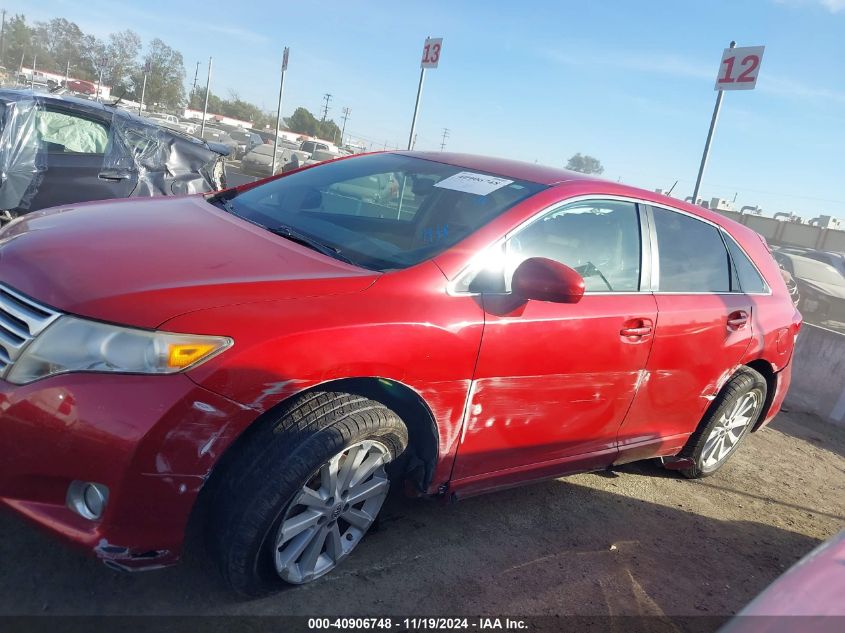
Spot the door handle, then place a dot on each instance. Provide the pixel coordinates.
(636, 328)
(635, 331)
(737, 320)
(113, 174)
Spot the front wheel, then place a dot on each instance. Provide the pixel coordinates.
(728, 420)
(300, 493)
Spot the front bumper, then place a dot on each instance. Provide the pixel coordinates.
(152, 440)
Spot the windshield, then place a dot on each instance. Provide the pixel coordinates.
(806, 268)
(382, 211)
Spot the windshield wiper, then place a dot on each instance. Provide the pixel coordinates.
(300, 238)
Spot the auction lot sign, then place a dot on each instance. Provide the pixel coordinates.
(739, 68)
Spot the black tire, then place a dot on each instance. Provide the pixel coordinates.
(267, 472)
(746, 381)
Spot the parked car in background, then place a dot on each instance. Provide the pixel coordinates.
(246, 140)
(290, 347)
(171, 122)
(59, 150)
(259, 161)
(820, 285)
(837, 260)
(81, 86)
(313, 146)
(218, 135)
(322, 155)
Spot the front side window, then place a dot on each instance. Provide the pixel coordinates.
(692, 254)
(383, 211)
(67, 134)
(600, 239)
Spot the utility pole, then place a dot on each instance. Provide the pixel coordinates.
(67, 72)
(207, 89)
(327, 97)
(32, 76)
(346, 112)
(443, 139)
(196, 74)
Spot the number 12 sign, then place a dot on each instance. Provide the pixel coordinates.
(739, 68)
(431, 52)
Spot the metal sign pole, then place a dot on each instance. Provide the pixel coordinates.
(416, 109)
(706, 154)
(279, 109)
(207, 89)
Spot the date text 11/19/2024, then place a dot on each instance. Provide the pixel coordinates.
(417, 624)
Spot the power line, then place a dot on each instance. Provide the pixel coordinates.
(443, 140)
(327, 97)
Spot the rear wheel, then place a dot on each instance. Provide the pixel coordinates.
(300, 493)
(729, 419)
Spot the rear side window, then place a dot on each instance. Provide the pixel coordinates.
(743, 270)
(692, 254)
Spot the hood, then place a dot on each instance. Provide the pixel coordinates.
(141, 262)
(827, 289)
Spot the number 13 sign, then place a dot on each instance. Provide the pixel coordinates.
(431, 52)
(739, 68)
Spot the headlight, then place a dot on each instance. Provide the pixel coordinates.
(74, 344)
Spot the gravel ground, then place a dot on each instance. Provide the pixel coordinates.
(639, 540)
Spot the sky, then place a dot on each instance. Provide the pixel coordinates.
(631, 83)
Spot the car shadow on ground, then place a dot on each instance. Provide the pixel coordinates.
(561, 547)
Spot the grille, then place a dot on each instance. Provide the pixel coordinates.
(21, 320)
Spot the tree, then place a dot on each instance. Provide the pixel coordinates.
(17, 43)
(585, 164)
(165, 81)
(303, 122)
(122, 52)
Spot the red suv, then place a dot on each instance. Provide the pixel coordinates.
(289, 347)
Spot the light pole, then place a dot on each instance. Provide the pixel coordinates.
(285, 55)
(143, 87)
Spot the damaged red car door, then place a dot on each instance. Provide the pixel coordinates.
(554, 380)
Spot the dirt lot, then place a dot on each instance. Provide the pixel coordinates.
(637, 541)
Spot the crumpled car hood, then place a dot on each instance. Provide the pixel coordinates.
(141, 262)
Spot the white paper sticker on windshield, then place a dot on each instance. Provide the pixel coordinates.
(470, 182)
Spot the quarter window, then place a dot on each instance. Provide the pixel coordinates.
(692, 254)
(744, 272)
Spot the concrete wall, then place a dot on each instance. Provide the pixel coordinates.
(780, 232)
(818, 374)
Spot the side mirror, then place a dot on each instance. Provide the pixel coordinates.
(544, 279)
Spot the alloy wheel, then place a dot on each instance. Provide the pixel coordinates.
(730, 428)
(332, 512)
